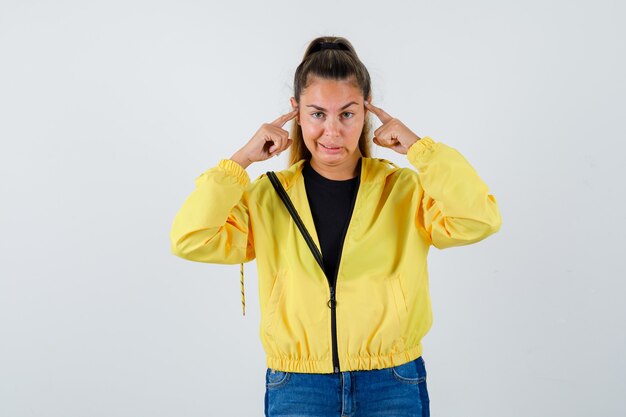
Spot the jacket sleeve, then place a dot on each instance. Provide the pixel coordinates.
(213, 224)
(456, 207)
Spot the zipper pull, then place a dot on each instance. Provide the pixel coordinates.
(332, 302)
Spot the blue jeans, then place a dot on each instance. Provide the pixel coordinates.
(399, 391)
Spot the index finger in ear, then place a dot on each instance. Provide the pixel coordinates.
(285, 118)
(380, 113)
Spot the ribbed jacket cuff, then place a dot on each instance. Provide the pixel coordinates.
(419, 148)
(235, 169)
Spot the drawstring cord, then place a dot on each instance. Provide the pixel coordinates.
(243, 296)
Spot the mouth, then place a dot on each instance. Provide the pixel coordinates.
(330, 147)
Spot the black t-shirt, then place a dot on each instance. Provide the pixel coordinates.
(331, 202)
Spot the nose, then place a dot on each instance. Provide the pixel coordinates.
(331, 128)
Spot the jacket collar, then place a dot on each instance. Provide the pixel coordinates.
(372, 170)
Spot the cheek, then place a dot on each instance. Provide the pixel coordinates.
(357, 125)
(356, 128)
(311, 130)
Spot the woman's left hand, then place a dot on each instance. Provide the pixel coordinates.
(393, 133)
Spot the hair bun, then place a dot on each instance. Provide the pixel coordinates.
(329, 45)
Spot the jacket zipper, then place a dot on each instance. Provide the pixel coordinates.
(332, 303)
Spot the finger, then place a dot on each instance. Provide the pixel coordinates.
(379, 143)
(280, 145)
(281, 141)
(285, 118)
(384, 134)
(287, 143)
(275, 146)
(385, 142)
(387, 132)
(380, 113)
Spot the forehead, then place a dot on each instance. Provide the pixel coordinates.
(331, 92)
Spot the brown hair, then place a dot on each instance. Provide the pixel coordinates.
(332, 64)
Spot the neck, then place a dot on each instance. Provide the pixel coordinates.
(343, 171)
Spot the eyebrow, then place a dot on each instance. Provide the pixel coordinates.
(323, 109)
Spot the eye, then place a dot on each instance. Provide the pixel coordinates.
(350, 114)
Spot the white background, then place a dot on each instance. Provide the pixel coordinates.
(110, 109)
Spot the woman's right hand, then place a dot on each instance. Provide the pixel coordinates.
(270, 140)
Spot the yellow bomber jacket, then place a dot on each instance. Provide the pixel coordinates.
(382, 301)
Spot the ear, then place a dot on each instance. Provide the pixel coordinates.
(294, 105)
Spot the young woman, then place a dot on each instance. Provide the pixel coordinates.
(342, 335)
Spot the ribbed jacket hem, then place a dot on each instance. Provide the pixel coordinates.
(355, 363)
